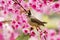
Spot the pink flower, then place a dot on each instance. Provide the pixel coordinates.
(1, 37)
(12, 37)
(25, 31)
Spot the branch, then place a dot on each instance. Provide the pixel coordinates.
(19, 5)
(6, 21)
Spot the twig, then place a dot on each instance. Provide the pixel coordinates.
(6, 21)
(19, 5)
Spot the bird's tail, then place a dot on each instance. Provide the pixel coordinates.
(44, 23)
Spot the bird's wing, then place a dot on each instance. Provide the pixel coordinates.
(35, 20)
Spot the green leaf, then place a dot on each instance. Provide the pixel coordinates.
(22, 37)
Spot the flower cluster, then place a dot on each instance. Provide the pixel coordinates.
(43, 6)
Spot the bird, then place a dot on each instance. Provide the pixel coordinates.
(34, 21)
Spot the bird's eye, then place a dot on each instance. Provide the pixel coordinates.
(29, 13)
